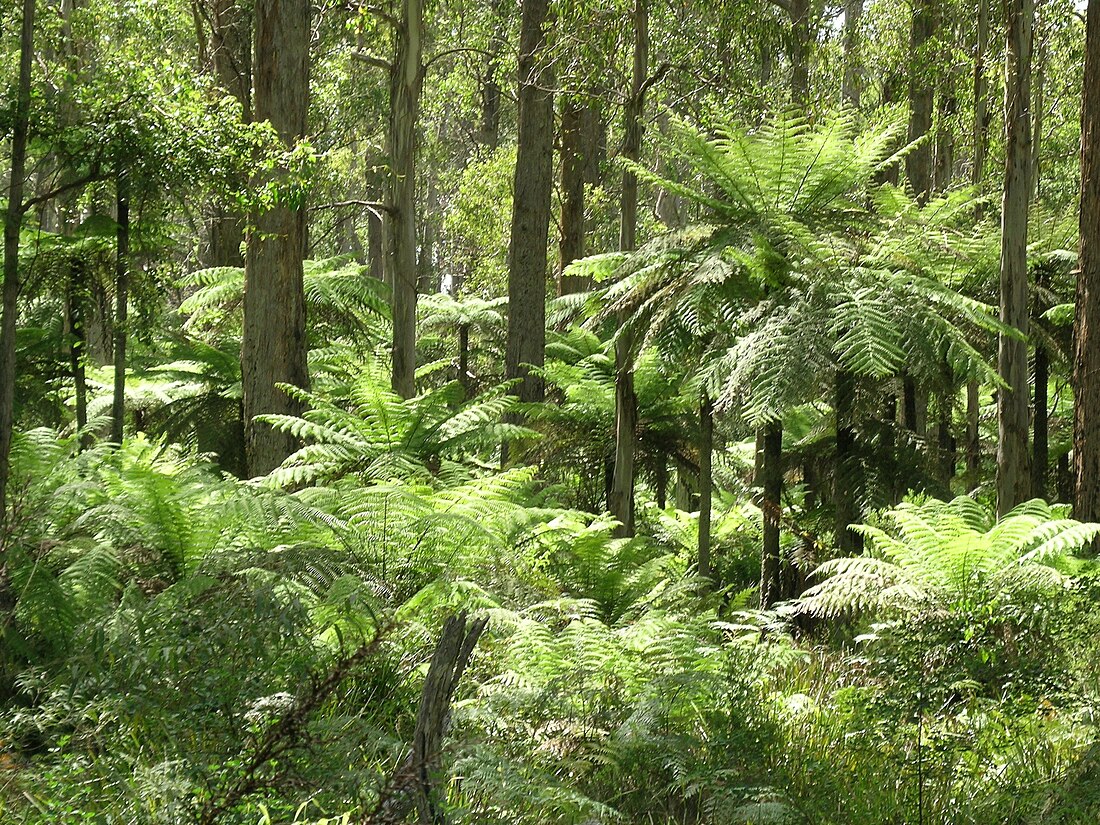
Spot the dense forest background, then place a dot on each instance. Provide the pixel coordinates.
(550, 411)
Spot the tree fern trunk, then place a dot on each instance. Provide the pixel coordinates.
(464, 377)
(847, 483)
(660, 481)
(973, 435)
(1040, 446)
(706, 446)
(771, 491)
(626, 424)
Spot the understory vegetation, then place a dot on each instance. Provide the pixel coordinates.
(550, 412)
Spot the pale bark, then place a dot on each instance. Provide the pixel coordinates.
(852, 88)
(1013, 476)
(273, 345)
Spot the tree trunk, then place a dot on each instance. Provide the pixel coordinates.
(526, 340)
(626, 424)
(1040, 70)
(973, 435)
(660, 482)
(571, 247)
(490, 85)
(626, 402)
(800, 51)
(228, 52)
(122, 298)
(1086, 366)
(464, 376)
(852, 89)
(1013, 477)
(273, 344)
(685, 487)
(406, 80)
(918, 163)
(947, 107)
(771, 492)
(13, 221)
(75, 301)
(981, 94)
(847, 483)
(1040, 448)
(706, 482)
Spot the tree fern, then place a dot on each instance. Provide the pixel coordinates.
(947, 556)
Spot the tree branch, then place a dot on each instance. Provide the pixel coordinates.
(371, 60)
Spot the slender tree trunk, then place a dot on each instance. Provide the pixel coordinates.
(847, 483)
(1086, 366)
(1040, 448)
(852, 89)
(526, 339)
(74, 310)
(376, 254)
(464, 376)
(626, 424)
(13, 222)
(973, 435)
(428, 275)
(1040, 70)
(947, 106)
(706, 482)
(981, 94)
(626, 402)
(800, 51)
(122, 299)
(273, 344)
(1013, 477)
(228, 52)
(686, 483)
(406, 80)
(490, 85)
(771, 508)
(918, 163)
(945, 442)
(660, 482)
(573, 159)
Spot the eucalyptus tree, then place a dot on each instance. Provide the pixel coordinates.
(533, 182)
(1086, 376)
(13, 224)
(1013, 476)
(273, 343)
